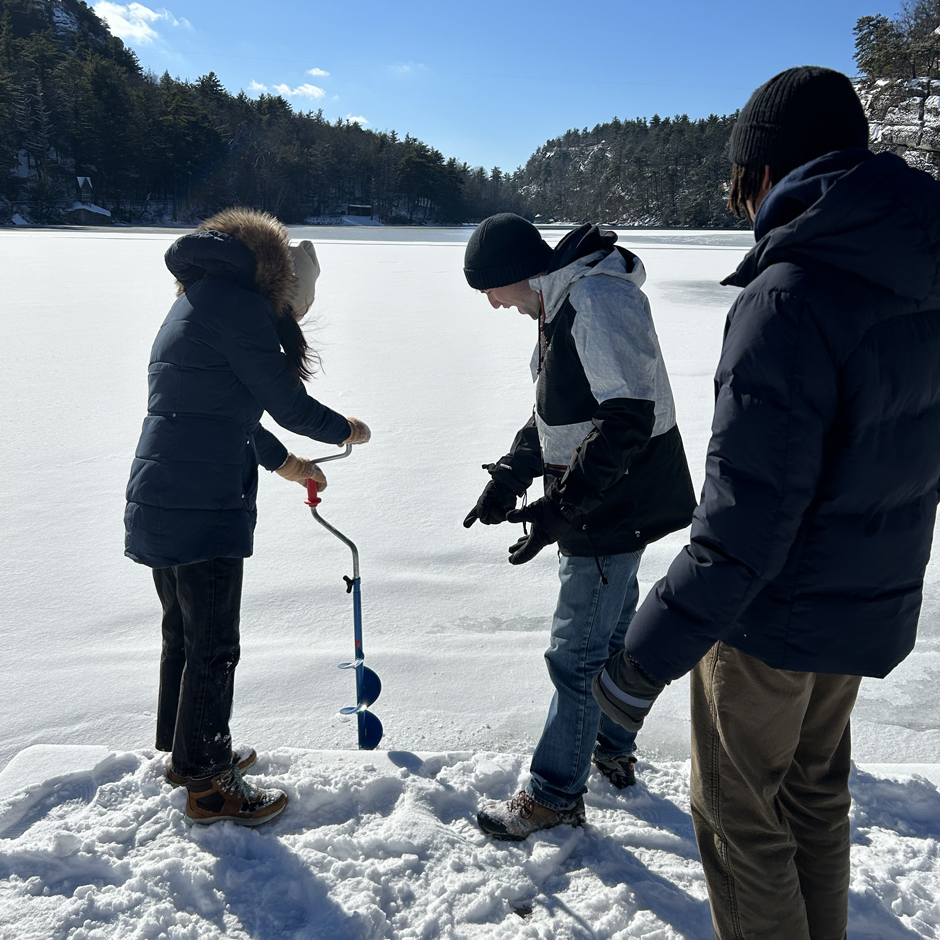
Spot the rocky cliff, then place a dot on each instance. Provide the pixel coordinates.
(905, 119)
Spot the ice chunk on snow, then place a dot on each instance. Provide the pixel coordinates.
(930, 772)
(43, 762)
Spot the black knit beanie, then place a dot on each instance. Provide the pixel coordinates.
(503, 249)
(797, 116)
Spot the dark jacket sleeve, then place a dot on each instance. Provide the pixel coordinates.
(249, 342)
(271, 452)
(776, 400)
(523, 463)
(622, 428)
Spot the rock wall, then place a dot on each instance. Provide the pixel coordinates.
(904, 116)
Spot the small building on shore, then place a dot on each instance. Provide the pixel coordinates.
(87, 214)
(84, 211)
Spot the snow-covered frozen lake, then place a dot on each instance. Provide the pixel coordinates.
(455, 633)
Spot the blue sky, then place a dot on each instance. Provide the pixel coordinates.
(488, 82)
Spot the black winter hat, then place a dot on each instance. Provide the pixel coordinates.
(503, 249)
(797, 116)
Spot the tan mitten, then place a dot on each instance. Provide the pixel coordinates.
(299, 470)
(359, 432)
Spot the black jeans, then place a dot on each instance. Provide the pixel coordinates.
(197, 667)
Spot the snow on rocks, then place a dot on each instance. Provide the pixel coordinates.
(384, 845)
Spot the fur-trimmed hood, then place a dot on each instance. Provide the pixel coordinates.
(247, 246)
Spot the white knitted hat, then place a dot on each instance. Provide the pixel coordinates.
(307, 270)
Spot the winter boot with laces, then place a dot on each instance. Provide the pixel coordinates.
(229, 796)
(243, 758)
(522, 815)
(618, 770)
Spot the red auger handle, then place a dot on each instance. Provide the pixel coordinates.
(312, 498)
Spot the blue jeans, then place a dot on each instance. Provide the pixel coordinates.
(590, 623)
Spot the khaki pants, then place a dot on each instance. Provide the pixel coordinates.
(770, 798)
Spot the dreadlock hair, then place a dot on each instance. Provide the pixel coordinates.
(747, 182)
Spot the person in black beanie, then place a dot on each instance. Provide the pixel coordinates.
(604, 438)
(806, 563)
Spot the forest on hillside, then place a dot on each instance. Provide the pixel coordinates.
(75, 102)
(664, 172)
(673, 172)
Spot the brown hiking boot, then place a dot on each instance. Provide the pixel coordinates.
(229, 796)
(243, 758)
(521, 816)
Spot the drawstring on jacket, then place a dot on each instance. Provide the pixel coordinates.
(597, 560)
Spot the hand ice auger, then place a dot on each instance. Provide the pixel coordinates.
(368, 684)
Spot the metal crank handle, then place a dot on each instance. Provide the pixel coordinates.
(345, 453)
(313, 500)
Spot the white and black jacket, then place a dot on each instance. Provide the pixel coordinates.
(604, 433)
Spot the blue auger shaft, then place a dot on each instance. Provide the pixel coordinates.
(360, 656)
(369, 727)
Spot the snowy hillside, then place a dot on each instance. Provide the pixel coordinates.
(380, 845)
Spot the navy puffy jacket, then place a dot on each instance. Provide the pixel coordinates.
(216, 366)
(809, 546)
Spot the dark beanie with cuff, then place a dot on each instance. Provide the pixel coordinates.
(504, 249)
(798, 116)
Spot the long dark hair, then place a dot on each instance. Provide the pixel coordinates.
(302, 360)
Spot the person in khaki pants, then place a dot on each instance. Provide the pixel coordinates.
(806, 560)
(772, 753)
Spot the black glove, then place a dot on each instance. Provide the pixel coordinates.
(491, 508)
(548, 525)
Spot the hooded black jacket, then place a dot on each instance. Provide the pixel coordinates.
(215, 367)
(809, 546)
(604, 432)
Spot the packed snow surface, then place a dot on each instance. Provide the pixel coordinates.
(377, 845)
(383, 845)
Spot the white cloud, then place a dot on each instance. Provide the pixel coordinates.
(356, 119)
(256, 86)
(134, 22)
(301, 91)
(316, 72)
(408, 68)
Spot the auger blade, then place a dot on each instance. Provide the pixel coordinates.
(371, 687)
(370, 731)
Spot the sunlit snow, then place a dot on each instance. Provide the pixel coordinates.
(382, 844)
